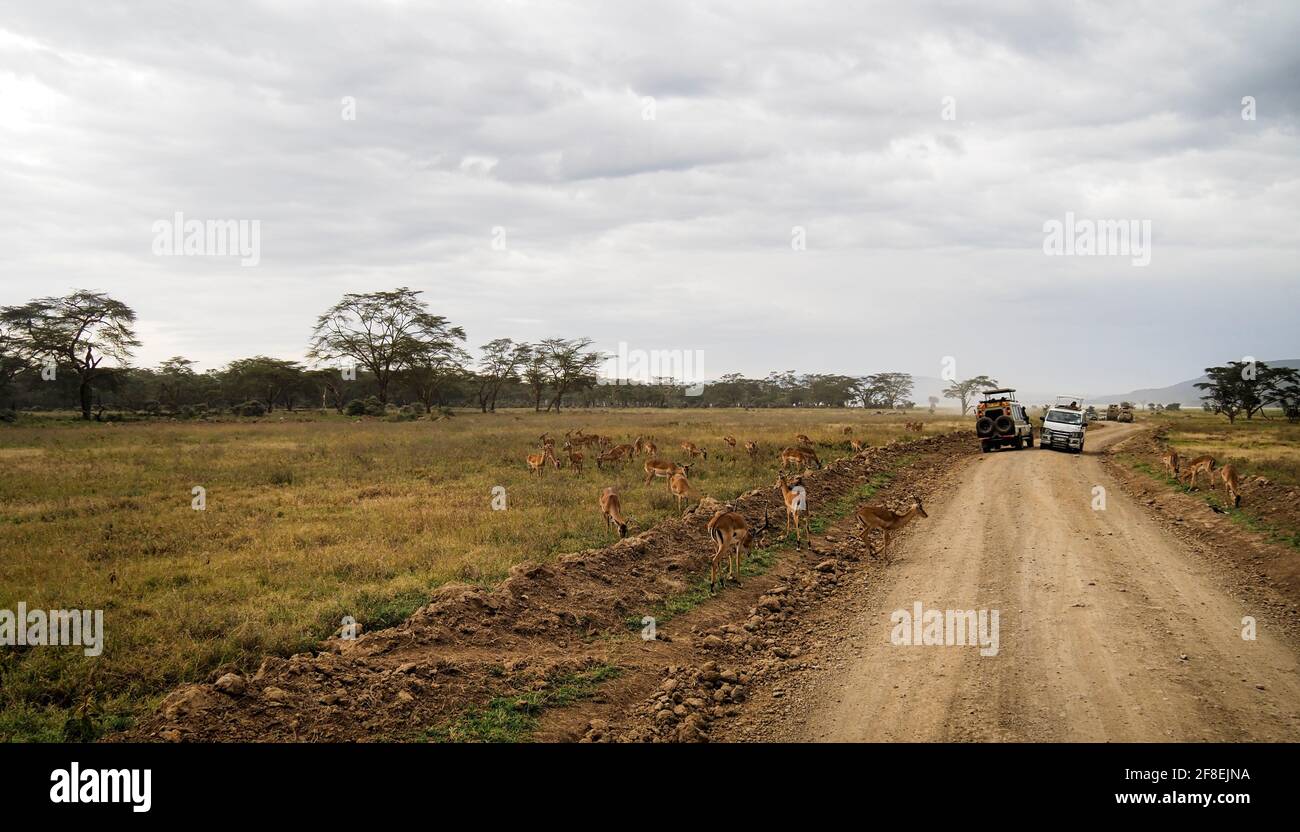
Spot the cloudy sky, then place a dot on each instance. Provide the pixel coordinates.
(648, 168)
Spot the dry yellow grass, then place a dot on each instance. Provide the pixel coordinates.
(308, 520)
(1267, 447)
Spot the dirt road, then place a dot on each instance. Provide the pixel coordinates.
(1110, 629)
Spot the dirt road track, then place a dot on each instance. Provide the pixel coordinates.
(1110, 629)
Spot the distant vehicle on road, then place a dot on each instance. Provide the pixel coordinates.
(1001, 421)
(1064, 425)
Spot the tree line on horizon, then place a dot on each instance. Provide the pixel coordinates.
(367, 354)
(373, 352)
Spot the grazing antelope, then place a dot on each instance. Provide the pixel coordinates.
(575, 461)
(680, 488)
(799, 457)
(1203, 463)
(638, 446)
(730, 531)
(663, 468)
(1231, 484)
(537, 462)
(879, 517)
(611, 508)
(795, 497)
(694, 450)
(914, 427)
(618, 453)
(649, 448)
(730, 440)
(1171, 463)
(751, 448)
(857, 446)
(803, 439)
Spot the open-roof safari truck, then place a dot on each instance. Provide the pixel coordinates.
(1002, 422)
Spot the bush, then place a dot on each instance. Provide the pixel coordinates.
(249, 408)
(369, 406)
(406, 413)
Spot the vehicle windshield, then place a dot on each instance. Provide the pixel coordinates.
(1065, 417)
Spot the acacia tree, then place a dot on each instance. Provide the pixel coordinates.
(963, 390)
(568, 365)
(885, 389)
(175, 376)
(501, 361)
(1243, 388)
(535, 375)
(429, 375)
(384, 332)
(268, 379)
(79, 332)
(11, 359)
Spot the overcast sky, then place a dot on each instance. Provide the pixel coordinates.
(924, 234)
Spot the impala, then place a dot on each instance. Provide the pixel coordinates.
(879, 517)
(1171, 461)
(730, 440)
(731, 533)
(795, 497)
(663, 468)
(680, 487)
(1231, 484)
(575, 461)
(803, 439)
(799, 457)
(611, 508)
(751, 448)
(857, 446)
(615, 454)
(537, 462)
(694, 450)
(1203, 463)
(848, 431)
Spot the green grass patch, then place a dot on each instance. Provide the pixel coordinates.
(513, 717)
(1275, 534)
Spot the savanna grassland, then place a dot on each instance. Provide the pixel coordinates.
(310, 518)
(1266, 446)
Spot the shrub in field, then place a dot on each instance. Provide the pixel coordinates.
(250, 408)
(369, 406)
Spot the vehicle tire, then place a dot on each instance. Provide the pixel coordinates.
(1029, 440)
(1019, 444)
(984, 426)
(984, 447)
(1003, 425)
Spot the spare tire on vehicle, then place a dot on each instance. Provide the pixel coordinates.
(984, 427)
(1004, 424)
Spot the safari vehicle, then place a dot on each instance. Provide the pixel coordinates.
(1112, 413)
(1064, 425)
(1002, 421)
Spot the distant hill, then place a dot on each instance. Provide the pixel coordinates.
(1184, 392)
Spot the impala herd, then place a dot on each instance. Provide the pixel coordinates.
(1188, 472)
(727, 529)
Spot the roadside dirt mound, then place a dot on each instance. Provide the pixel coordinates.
(545, 622)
